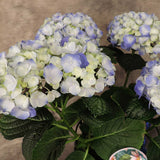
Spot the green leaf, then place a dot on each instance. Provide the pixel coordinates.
(122, 96)
(32, 137)
(12, 127)
(50, 145)
(153, 150)
(112, 52)
(113, 111)
(73, 112)
(96, 122)
(138, 109)
(61, 99)
(116, 134)
(42, 115)
(133, 107)
(85, 129)
(79, 155)
(96, 105)
(131, 62)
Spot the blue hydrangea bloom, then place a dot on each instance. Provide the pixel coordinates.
(128, 41)
(23, 114)
(137, 31)
(145, 30)
(148, 84)
(78, 28)
(70, 61)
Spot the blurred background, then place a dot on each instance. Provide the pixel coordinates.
(20, 20)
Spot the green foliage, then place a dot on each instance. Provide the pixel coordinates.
(138, 109)
(93, 111)
(31, 138)
(73, 112)
(153, 150)
(42, 115)
(128, 62)
(131, 62)
(116, 134)
(96, 105)
(91, 121)
(79, 155)
(112, 52)
(122, 96)
(51, 144)
(12, 127)
(132, 106)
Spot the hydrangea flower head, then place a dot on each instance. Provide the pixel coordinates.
(33, 76)
(69, 33)
(22, 84)
(137, 31)
(148, 84)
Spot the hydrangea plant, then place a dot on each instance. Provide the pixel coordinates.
(40, 78)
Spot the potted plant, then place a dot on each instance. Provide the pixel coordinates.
(41, 77)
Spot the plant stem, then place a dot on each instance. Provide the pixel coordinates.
(74, 123)
(151, 139)
(60, 126)
(67, 124)
(86, 153)
(65, 103)
(126, 80)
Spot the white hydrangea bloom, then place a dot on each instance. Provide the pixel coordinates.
(3, 64)
(16, 92)
(10, 82)
(7, 105)
(13, 51)
(138, 31)
(3, 92)
(52, 95)
(32, 80)
(69, 33)
(87, 92)
(22, 101)
(38, 99)
(23, 68)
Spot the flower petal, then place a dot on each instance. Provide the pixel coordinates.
(52, 74)
(19, 113)
(38, 99)
(10, 82)
(70, 61)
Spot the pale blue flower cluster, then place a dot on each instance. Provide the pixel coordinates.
(64, 58)
(137, 31)
(69, 33)
(148, 84)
